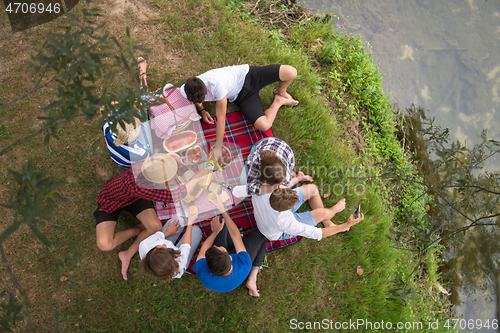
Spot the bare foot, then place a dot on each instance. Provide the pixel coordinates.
(252, 289)
(328, 223)
(339, 206)
(125, 262)
(285, 101)
(285, 95)
(252, 283)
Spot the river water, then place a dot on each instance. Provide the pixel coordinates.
(444, 56)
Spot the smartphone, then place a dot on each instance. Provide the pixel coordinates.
(358, 210)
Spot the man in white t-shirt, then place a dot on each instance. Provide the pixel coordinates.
(240, 85)
(275, 211)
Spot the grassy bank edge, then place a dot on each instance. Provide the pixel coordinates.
(214, 34)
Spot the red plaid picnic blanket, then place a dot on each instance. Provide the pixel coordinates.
(239, 131)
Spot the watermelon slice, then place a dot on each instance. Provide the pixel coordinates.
(194, 154)
(180, 141)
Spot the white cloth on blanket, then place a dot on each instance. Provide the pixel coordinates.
(164, 119)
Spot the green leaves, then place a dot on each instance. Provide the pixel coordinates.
(10, 310)
(32, 199)
(82, 59)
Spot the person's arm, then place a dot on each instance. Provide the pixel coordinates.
(204, 113)
(167, 195)
(216, 226)
(231, 226)
(234, 233)
(220, 112)
(189, 227)
(265, 189)
(327, 232)
(172, 229)
(300, 177)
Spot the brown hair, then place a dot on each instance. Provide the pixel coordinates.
(283, 199)
(195, 89)
(160, 263)
(272, 169)
(218, 262)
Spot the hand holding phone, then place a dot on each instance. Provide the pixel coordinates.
(357, 212)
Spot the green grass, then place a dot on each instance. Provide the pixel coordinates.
(309, 281)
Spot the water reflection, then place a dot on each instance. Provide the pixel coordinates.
(444, 56)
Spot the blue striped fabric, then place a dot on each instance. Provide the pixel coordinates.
(122, 155)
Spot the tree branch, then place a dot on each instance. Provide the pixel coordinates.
(22, 291)
(487, 217)
(35, 88)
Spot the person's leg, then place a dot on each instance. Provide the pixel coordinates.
(256, 245)
(224, 239)
(151, 223)
(326, 214)
(106, 238)
(257, 78)
(143, 66)
(252, 282)
(313, 197)
(265, 122)
(287, 75)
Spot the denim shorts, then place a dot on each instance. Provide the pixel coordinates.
(306, 217)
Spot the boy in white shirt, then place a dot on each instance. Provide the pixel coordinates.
(275, 213)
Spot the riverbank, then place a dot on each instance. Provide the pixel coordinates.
(338, 87)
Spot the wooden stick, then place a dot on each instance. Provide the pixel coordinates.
(164, 172)
(256, 4)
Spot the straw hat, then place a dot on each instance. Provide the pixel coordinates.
(159, 168)
(129, 134)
